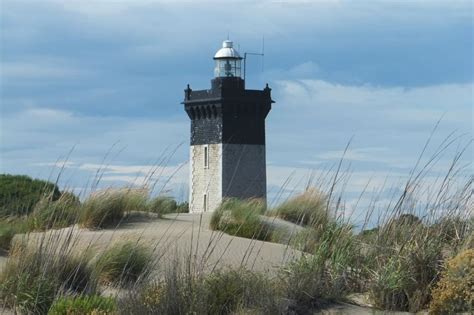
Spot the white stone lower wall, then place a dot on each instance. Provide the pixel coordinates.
(244, 171)
(205, 180)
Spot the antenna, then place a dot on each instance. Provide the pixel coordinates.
(254, 54)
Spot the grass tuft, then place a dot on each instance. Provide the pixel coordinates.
(49, 214)
(404, 261)
(221, 292)
(162, 205)
(242, 218)
(107, 208)
(31, 280)
(83, 304)
(123, 263)
(308, 208)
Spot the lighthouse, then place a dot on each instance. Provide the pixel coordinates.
(227, 143)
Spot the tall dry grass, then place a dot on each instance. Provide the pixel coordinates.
(242, 218)
(107, 208)
(398, 264)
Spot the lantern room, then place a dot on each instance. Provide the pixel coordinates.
(228, 61)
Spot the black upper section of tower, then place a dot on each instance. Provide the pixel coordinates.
(227, 113)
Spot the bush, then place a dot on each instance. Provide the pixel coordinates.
(368, 236)
(19, 194)
(454, 292)
(31, 280)
(162, 205)
(55, 214)
(7, 233)
(179, 291)
(8, 229)
(241, 218)
(454, 230)
(183, 207)
(404, 261)
(308, 208)
(83, 305)
(221, 292)
(107, 208)
(123, 263)
(330, 273)
(230, 290)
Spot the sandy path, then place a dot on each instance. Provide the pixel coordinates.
(178, 235)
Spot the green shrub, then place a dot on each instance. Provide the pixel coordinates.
(404, 261)
(230, 290)
(83, 305)
(307, 284)
(19, 194)
(162, 205)
(183, 207)
(7, 233)
(179, 291)
(398, 230)
(368, 236)
(107, 208)
(454, 230)
(31, 280)
(221, 292)
(124, 263)
(454, 292)
(55, 214)
(8, 228)
(308, 208)
(241, 218)
(330, 273)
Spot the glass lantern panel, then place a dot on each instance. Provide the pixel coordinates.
(227, 68)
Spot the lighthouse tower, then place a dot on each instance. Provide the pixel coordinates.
(227, 153)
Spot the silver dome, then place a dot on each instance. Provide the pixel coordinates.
(227, 51)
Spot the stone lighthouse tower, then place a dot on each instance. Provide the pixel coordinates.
(227, 154)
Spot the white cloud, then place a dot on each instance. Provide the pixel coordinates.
(39, 135)
(397, 101)
(57, 164)
(390, 126)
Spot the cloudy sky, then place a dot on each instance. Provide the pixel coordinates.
(99, 83)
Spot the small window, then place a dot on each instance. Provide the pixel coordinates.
(206, 156)
(205, 203)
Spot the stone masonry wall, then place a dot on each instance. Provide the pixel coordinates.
(205, 180)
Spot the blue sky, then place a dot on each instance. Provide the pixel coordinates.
(108, 76)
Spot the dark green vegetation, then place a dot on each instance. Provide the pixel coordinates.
(165, 205)
(19, 194)
(82, 305)
(7, 231)
(28, 204)
(34, 205)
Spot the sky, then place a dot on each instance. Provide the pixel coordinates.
(98, 85)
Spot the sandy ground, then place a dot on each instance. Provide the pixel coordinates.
(180, 235)
(188, 235)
